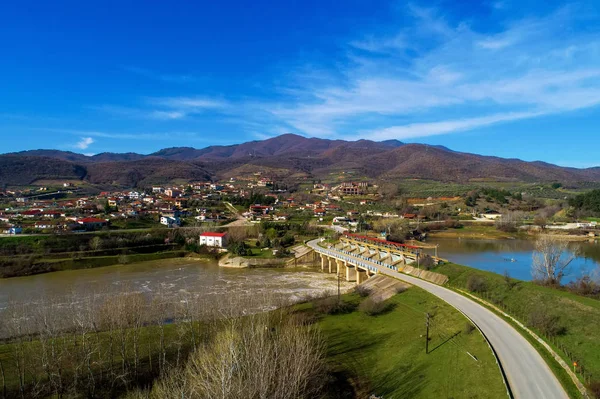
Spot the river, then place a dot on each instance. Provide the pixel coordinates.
(172, 279)
(514, 256)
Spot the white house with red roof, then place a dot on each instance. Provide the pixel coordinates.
(213, 239)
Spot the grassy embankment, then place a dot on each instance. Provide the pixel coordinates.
(573, 320)
(477, 231)
(27, 255)
(384, 354)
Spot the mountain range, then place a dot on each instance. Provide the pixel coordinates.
(287, 156)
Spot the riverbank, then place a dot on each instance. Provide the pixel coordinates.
(14, 267)
(490, 232)
(569, 323)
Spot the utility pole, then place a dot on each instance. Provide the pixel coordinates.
(427, 334)
(338, 284)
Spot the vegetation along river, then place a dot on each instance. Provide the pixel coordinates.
(514, 256)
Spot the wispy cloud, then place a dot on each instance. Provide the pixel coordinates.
(190, 103)
(434, 128)
(161, 136)
(84, 143)
(165, 108)
(456, 78)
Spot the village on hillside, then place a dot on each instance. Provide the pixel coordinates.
(352, 205)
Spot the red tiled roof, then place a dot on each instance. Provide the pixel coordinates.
(212, 234)
(31, 212)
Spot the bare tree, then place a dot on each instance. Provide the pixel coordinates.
(509, 221)
(551, 259)
(246, 359)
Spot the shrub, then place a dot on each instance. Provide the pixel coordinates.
(373, 307)
(585, 285)
(510, 283)
(594, 388)
(469, 327)
(362, 291)
(332, 305)
(476, 283)
(238, 248)
(426, 262)
(546, 322)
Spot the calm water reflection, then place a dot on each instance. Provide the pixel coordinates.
(514, 256)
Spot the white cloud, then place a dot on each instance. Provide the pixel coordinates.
(162, 136)
(165, 108)
(84, 143)
(456, 78)
(436, 128)
(189, 103)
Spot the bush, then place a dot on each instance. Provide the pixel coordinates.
(585, 286)
(469, 327)
(427, 262)
(373, 307)
(476, 284)
(594, 388)
(362, 291)
(331, 305)
(545, 322)
(238, 248)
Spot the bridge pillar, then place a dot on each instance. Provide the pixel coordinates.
(332, 265)
(341, 266)
(350, 272)
(323, 259)
(361, 276)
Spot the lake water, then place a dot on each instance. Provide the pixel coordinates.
(514, 256)
(172, 279)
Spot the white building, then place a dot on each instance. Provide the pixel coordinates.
(170, 221)
(212, 239)
(491, 215)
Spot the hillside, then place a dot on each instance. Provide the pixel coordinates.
(281, 157)
(18, 170)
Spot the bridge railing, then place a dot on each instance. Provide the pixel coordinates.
(352, 258)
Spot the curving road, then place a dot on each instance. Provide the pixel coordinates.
(528, 375)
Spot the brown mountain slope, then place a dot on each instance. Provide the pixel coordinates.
(144, 172)
(283, 156)
(426, 162)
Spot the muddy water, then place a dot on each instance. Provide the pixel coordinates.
(170, 279)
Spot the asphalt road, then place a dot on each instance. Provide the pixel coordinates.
(528, 375)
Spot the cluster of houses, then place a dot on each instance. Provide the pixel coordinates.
(343, 189)
(30, 212)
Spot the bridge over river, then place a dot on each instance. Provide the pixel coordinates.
(526, 373)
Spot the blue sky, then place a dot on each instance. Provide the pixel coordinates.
(506, 78)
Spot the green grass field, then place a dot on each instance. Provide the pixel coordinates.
(477, 230)
(385, 354)
(578, 315)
